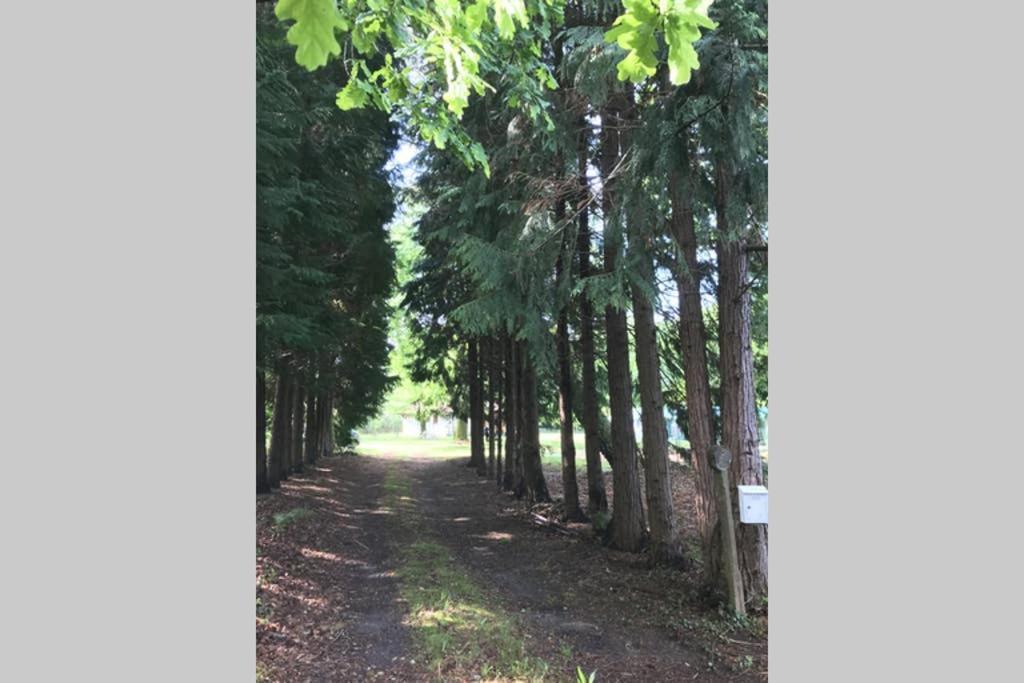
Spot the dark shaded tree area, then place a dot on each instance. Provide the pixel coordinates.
(324, 264)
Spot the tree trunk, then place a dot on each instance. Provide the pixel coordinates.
(311, 433)
(736, 368)
(328, 426)
(279, 439)
(511, 415)
(571, 496)
(501, 392)
(262, 480)
(460, 429)
(597, 499)
(476, 411)
(533, 471)
(298, 418)
(317, 437)
(665, 542)
(490, 368)
(627, 510)
(518, 474)
(693, 340)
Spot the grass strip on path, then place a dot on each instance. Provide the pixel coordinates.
(456, 628)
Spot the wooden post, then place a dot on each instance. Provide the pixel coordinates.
(719, 458)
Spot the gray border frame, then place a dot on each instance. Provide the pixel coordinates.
(128, 282)
(896, 357)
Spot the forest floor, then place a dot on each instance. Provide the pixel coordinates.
(400, 564)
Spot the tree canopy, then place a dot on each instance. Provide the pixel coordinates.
(437, 55)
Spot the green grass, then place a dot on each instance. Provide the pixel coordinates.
(411, 446)
(551, 449)
(455, 626)
(397, 445)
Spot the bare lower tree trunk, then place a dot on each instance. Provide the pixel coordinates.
(693, 340)
(533, 472)
(490, 373)
(311, 434)
(476, 411)
(665, 542)
(328, 428)
(736, 368)
(318, 431)
(511, 415)
(571, 496)
(262, 480)
(518, 479)
(597, 499)
(298, 417)
(279, 438)
(501, 392)
(627, 510)
(665, 545)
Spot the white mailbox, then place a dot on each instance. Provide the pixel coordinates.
(753, 504)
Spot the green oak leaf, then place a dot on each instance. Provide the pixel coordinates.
(313, 31)
(351, 96)
(682, 58)
(636, 32)
(365, 34)
(645, 11)
(632, 69)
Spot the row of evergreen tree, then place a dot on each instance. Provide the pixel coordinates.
(537, 274)
(324, 264)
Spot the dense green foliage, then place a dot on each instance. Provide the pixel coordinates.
(436, 55)
(324, 264)
(500, 234)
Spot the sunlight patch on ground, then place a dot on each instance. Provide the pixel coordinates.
(319, 554)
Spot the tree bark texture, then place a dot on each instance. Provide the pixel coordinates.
(311, 433)
(511, 416)
(519, 481)
(597, 498)
(298, 416)
(329, 426)
(262, 480)
(665, 546)
(736, 369)
(476, 411)
(693, 339)
(279, 439)
(490, 373)
(533, 472)
(628, 530)
(571, 499)
(500, 389)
